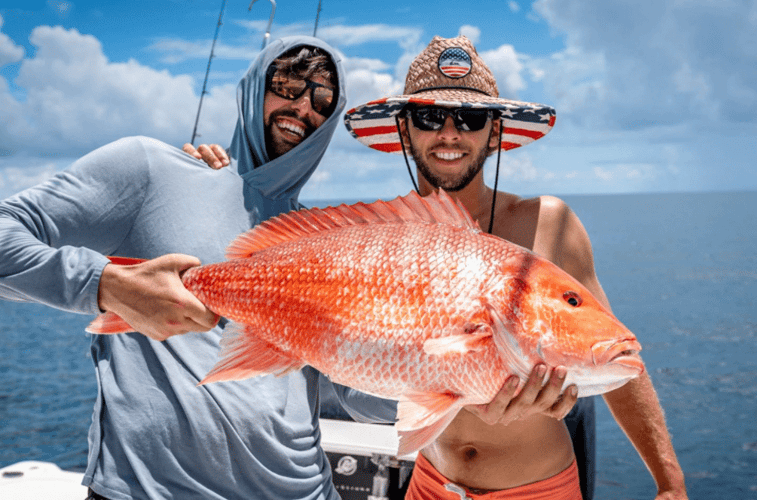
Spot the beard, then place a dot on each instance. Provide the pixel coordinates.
(276, 148)
(452, 184)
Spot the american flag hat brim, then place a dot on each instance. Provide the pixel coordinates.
(374, 123)
(429, 82)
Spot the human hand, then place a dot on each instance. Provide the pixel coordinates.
(533, 398)
(214, 155)
(152, 299)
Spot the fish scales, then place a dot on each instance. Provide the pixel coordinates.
(368, 298)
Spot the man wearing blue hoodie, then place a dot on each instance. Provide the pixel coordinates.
(154, 433)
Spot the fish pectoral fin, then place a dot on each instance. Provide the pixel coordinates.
(507, 344)
(411, 441)
(418, 409)
(245, 355)
(476, 338)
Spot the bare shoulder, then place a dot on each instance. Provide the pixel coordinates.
(552, 209)
(538, 206)
(561, 234)
(558, 235)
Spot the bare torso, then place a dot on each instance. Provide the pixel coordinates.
(479, 456)
(495, 457)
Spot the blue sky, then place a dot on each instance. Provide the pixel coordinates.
(651, 95)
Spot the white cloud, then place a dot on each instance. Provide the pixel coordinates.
(507, 69)
(60, 7)
(346, 36)
(77, 100)
(176, 50)
(35, 170)
(603, 174)
(669, 61)
(627, 172)
(365, 82)
(471, 32)
(9, 51)
(514, 7)
(513, 167)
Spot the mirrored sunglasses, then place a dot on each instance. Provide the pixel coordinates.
(465, 119)
(290, 87)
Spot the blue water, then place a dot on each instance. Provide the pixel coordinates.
(680, 271)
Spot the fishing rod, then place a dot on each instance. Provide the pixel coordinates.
(317, 15)
(212, 51)
(207, 71)
(270, 20)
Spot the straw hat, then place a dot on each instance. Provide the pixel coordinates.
(448, 73)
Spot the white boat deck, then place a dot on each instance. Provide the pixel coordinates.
(32, 480)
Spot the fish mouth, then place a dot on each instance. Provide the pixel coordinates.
(618, 352)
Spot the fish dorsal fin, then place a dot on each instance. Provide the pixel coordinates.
(437, 208)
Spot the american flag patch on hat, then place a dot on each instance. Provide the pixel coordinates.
(454, 62)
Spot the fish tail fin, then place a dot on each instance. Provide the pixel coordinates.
(245, 355)
(108, 323)
(421, 421)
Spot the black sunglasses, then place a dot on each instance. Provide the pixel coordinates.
(465, 119)
(290, 87)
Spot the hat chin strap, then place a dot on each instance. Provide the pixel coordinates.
(404, 153)
(496, 175)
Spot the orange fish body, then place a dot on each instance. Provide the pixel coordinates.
(407, 300)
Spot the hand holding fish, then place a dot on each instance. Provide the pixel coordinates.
(510, 405)
(151, 298)
(214, 155)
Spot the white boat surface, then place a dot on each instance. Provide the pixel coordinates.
(32, 480)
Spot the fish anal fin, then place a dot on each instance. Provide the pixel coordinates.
(418, 409)
(245, 355)
(475, 338)
(436, 208)
(108, 323)
(414, 440)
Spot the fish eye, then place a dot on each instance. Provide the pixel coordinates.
(572, 298)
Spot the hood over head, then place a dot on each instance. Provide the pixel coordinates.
(271, 187)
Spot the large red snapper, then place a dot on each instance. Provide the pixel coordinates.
(407, 300)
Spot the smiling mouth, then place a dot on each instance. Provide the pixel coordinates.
(291, 129)
(448, 156)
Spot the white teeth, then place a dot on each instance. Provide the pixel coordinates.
(448, 156)
(292, 128)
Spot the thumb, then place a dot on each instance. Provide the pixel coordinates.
(194, 309)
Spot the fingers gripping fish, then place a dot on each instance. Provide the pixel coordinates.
(408, 300)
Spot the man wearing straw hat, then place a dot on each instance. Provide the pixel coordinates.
(450, 119)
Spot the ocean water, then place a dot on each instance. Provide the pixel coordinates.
(680, 271)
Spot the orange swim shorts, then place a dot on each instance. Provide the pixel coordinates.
(427, 484)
